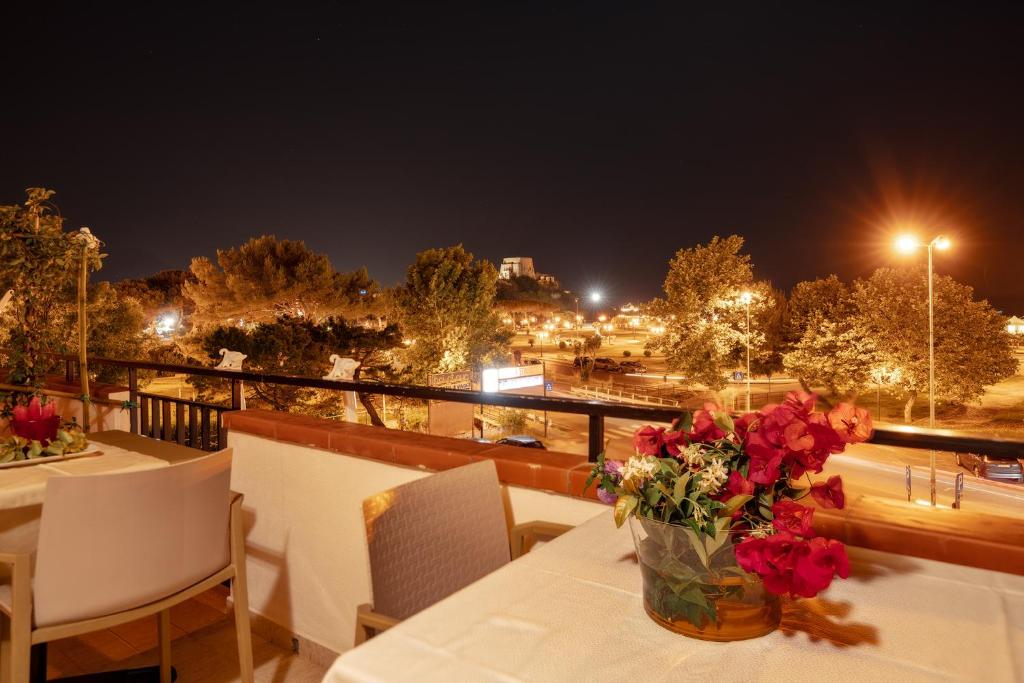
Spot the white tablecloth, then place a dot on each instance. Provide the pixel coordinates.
(571, 611)
(22, 490)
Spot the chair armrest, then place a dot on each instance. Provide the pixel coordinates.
(521, 537)
(12, 559)
(378, 622)
(21, 583)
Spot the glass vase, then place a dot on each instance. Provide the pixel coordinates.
(692, 584)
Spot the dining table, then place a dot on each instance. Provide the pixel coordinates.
(572, 610)
(23, 494)
(23, 488)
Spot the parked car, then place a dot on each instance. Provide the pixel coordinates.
(987, 467)
(633, 366)
(607, 364)
(532, 361)
(521, 440)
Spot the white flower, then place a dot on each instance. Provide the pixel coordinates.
(639, 468)
(714, 475)
(693, 455)
(763, 530)
(699, 514)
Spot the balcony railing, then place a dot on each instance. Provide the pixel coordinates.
(200, 424)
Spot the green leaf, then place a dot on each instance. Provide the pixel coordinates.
(623, 507)
(679, 491)
(724, 422)
(736, 502)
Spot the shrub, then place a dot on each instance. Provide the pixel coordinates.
(647, 353)
(562, 346)
(512, 420)
(627, 353)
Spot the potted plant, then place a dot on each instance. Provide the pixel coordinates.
(38, 431)
(712, 506)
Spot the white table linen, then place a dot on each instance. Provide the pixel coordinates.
(23, 489)
(572, 611)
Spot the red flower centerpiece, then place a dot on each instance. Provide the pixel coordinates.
(712, 504)
(38, 431)
(36, 422)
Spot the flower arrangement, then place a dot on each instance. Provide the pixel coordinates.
(39, 432)
(722, 479)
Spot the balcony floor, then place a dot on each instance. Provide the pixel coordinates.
(203, 648)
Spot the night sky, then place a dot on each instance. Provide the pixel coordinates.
(597, 137)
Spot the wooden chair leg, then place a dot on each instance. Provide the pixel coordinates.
(240, 596)
(20, 647)
(361, 631)
(164, 630)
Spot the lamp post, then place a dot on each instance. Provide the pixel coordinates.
(746, 297)
(908, 244)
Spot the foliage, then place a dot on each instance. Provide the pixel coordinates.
(711, 475)
(40, 262)
(972, 346)
(648, 353)
(300, 346)
(701, 310)
(562, 345)
(266, 278)
(834, 355)
(512, 420)
(627, 353)
(163, 291)
(446, 309)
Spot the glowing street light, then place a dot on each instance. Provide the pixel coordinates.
(542, 335)
(595, 297)
(908, 244)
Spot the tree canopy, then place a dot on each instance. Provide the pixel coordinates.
(446, 309)
(266, 278)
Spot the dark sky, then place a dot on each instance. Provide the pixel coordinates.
(598, 137)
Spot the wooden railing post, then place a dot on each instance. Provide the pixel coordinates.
(595, 441)
(236, 394)
(133, 399)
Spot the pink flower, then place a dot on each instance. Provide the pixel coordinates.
(606, 496)
(613, 468)
(790, 565)
(829, 494)
(853, 424)
(793, 517)
(36, 422)
(704, 428)
(649, 440)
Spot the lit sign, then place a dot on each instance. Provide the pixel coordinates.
(506, 379)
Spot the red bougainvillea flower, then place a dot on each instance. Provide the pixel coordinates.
(736, 485)
(704, 427)
(649, 440)
(765, 470)
(771, 558)
(814, 563)
(36, 422)
(853, 424)
(829, 494)
(794, 518)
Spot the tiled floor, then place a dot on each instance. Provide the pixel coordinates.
(203, 648)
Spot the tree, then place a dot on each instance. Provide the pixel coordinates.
(701, 310)
(40, 263)
(769, 323)
(833, 354)
(446, 310)
(266, 278)
(300, 346)
(972, 347)
(825, 346)
(158, 293)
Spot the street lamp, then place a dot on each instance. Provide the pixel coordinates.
(746, 298)
(595, 297)
(908, 244)
(542, 335)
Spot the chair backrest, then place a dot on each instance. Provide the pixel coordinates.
(112, 542)
(431, 537)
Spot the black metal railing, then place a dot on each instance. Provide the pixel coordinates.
(201, 425)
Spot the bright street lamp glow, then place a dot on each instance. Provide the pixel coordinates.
(746, 298)
(907, 244)
(595, 296)
(942, 243)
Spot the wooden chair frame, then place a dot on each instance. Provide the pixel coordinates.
(521, 538)
(18, 635)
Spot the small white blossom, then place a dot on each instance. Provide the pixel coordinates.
(699, 514)
(714, 475)
(763, 530)
(693, 455)
(639, 468)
